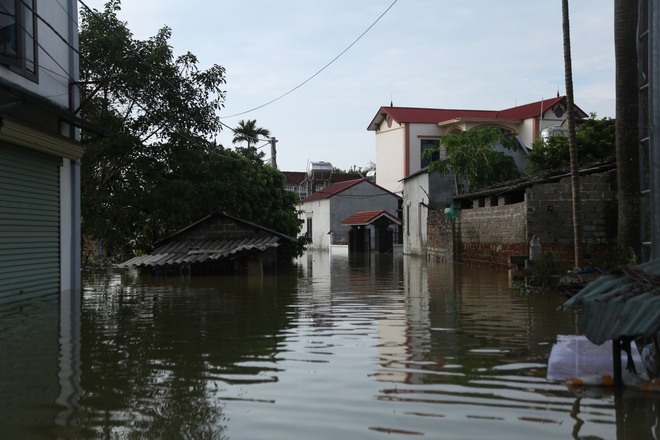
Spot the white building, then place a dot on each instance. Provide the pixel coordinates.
(39, 151)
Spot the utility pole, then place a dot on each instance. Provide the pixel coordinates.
(273, 152)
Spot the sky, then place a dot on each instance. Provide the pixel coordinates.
(327, 78)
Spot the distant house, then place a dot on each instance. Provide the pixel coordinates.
(323, 212)
(403, 133)
(218, 243)
(318, 176)
(39, 150)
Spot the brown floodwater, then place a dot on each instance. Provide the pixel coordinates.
(370, 347)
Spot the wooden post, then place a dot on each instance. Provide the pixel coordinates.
(616, 363)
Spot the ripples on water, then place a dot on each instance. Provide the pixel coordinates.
(370, 347)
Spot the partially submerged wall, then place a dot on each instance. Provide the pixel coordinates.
(496, 227)
(490, 234)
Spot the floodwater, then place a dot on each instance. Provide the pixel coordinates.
(374, 347)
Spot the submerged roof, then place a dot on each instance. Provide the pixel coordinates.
(618, 305)
(198, 251)
(368, 217)
(208, 239)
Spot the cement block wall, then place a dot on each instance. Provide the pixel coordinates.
(550, 215)
(490, 234)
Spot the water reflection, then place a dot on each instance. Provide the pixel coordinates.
(365, 346)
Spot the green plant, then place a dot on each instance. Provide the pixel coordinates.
(546, 271)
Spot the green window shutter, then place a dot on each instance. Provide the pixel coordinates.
(29, 223)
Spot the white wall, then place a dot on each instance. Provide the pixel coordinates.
(415, 214)
(417, 133)
(390, 157)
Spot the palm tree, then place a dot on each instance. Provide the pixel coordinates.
(627, 137)
(247, 131)
(572, 140)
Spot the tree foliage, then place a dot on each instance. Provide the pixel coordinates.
(155, 168)
(595, 141)
(471, 155)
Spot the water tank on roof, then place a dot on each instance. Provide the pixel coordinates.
(319, 170)
(553, 130)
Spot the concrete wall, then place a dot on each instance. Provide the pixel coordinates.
(390, 157)
(415, 208)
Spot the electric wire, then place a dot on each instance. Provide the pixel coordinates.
(318, 71)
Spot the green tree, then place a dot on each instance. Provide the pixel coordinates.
(248, 132)
(471, 155)
(155, 170)
(595, 141)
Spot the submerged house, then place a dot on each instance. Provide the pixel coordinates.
(218, 244)
(338, 213)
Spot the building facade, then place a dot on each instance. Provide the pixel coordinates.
(403, 133)
(39, 149)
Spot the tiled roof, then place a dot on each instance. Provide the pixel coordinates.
(368, 217)
(339, 187)
(437, 115)
(333, 189)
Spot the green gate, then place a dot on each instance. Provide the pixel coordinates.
(29, 223)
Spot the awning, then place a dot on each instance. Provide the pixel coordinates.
(626, 304)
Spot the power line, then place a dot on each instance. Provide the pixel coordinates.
(317, 72)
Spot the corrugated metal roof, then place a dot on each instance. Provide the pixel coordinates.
(618, 305)
(198, 251)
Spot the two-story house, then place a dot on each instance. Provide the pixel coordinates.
(39, 151)
(403, 133)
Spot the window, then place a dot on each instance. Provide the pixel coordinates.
(18, 43)
(427, 144)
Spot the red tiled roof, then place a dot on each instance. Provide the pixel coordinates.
(368, 217)
(333, 189)
(336, 188)
(437, 115)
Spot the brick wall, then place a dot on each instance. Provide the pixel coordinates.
(489, 235)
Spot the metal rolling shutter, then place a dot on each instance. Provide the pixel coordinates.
(29, 223)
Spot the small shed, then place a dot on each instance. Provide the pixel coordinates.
(217, 244)
(369, 227)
